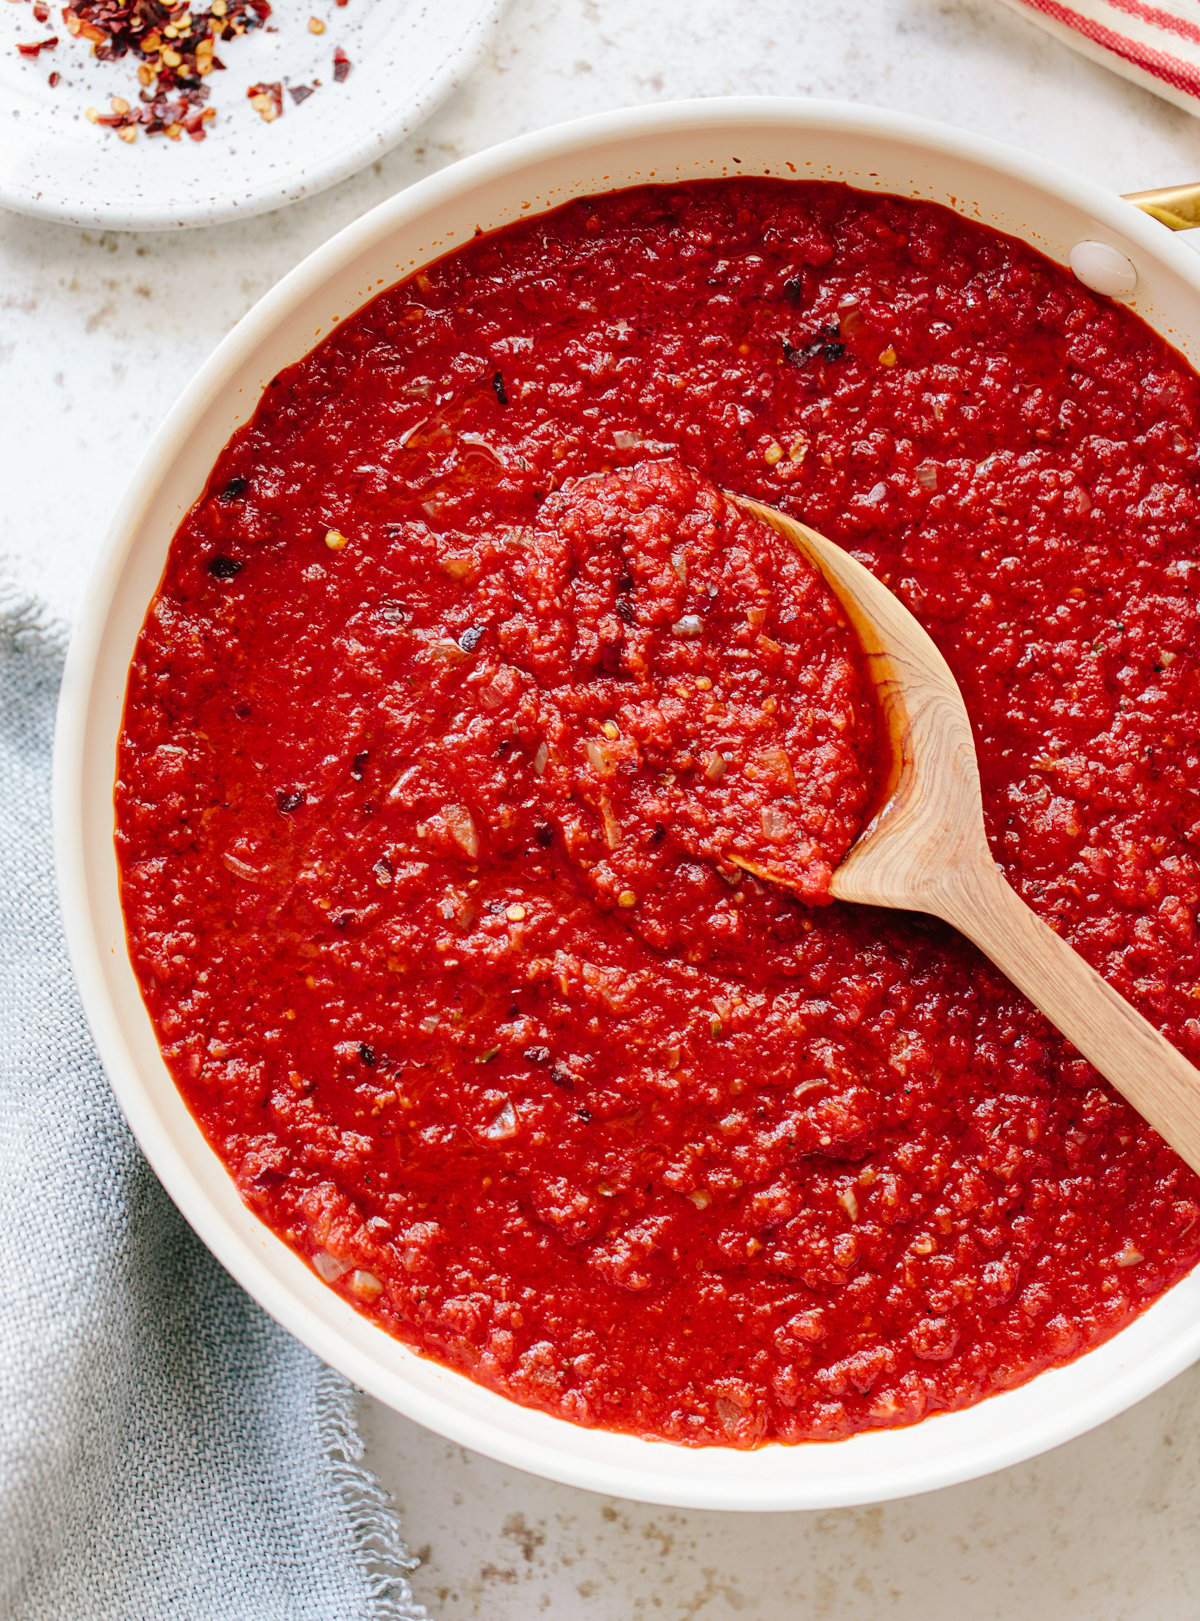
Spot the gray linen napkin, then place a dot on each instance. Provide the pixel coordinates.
(165, 1448)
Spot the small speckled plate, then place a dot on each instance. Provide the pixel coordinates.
(406, 56)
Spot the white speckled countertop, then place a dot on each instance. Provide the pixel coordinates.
(97, 335)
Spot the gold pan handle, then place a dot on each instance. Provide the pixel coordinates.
(1176, 206)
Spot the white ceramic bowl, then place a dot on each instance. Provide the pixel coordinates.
(873, 150)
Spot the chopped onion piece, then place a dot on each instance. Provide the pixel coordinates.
(600, 758)
(365, 1285)
(329, 1267)
(540, 759)
(612, 828)
(451, 652)
(687, 626)
(730, 1414)
(504, 1125)
(463, 831)
(479, 446)
(242, 869)
(775, 825)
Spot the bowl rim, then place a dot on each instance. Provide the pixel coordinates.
(484, 1421)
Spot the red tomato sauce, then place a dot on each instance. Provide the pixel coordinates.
(580, 1108)
(693, 687)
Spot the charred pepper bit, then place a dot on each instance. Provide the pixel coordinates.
(827, 344)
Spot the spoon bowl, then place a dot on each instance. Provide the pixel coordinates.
(926, 850)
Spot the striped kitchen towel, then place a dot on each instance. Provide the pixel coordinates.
(1157, 46)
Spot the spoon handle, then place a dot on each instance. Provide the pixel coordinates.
(1127, 1050)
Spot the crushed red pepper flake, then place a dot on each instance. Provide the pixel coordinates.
(267, 100)
(177, 50)
(176, 47)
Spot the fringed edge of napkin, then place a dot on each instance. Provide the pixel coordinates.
(26, 626)
(378, 1549)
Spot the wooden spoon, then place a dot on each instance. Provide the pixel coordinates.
(926, 851)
